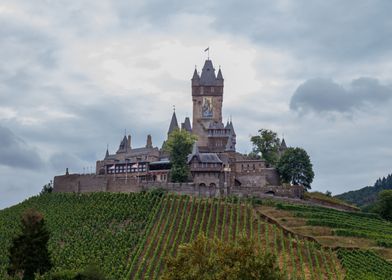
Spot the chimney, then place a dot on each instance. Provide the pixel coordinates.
(129, 141)
(149, 141)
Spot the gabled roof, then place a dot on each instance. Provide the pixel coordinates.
(173, 123)
(203, 157)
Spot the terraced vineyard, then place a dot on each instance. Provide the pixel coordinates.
(129, 235)
(181, 218)
(363, 225)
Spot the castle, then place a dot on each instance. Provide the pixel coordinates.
(215, 166)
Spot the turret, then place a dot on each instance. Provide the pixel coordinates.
(186, 125)
(195, 78)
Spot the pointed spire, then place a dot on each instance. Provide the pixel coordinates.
(195, 75)
(107, 152)
(207, 77)
(187, 125)
(283, 144)
(173, 123)
(220, 76)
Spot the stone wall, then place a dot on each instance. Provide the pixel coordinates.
(95, 183)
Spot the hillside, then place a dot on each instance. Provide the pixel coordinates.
(367, 195)
(129, 235)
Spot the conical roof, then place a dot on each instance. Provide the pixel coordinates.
(220, 76)
(283, 144)
(195, 75)
(187, 125)
(173, 123)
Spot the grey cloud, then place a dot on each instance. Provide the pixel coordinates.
(15, 152)
(324, 95)
(320, 29)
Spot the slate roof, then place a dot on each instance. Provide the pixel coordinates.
(186, 125)
(203, 157)
(173, 124)
(208, 77)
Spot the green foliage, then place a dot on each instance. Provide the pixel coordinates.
(179, 146)
(102, 228)
(267, 144)
(295, 167)
(29, 250)
(213, 259)
(48, 188)
(182, 220)
(384, 204)
(364, 265)
(356, 224)
(91, 272)
(367, 196)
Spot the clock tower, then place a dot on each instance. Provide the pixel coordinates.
(207, 98)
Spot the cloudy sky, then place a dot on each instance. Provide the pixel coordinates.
(75, 74)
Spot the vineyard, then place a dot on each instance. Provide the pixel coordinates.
(359, 224)
(182, 218)
(130, 235)
(99, 228)
(360, 264)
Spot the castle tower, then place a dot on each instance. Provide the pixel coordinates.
(207, 98)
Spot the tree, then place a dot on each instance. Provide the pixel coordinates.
(294, 167)
(384, 204)
(179, 146)
(29, 251)
(214, 259)
(267, 144)
(48, 188)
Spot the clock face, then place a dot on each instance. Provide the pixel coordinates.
(207, 107)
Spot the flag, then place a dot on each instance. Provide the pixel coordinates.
(207, 49)
(136, 165)
(111, 168)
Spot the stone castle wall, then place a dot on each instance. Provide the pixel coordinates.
(95, 183)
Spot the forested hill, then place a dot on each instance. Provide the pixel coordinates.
(367, 195)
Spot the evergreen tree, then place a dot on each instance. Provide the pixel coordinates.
(267, 144)
(29, 251)
(179, 146)
(294, 167)
(384, 204)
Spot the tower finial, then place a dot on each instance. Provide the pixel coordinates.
(174, 108)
